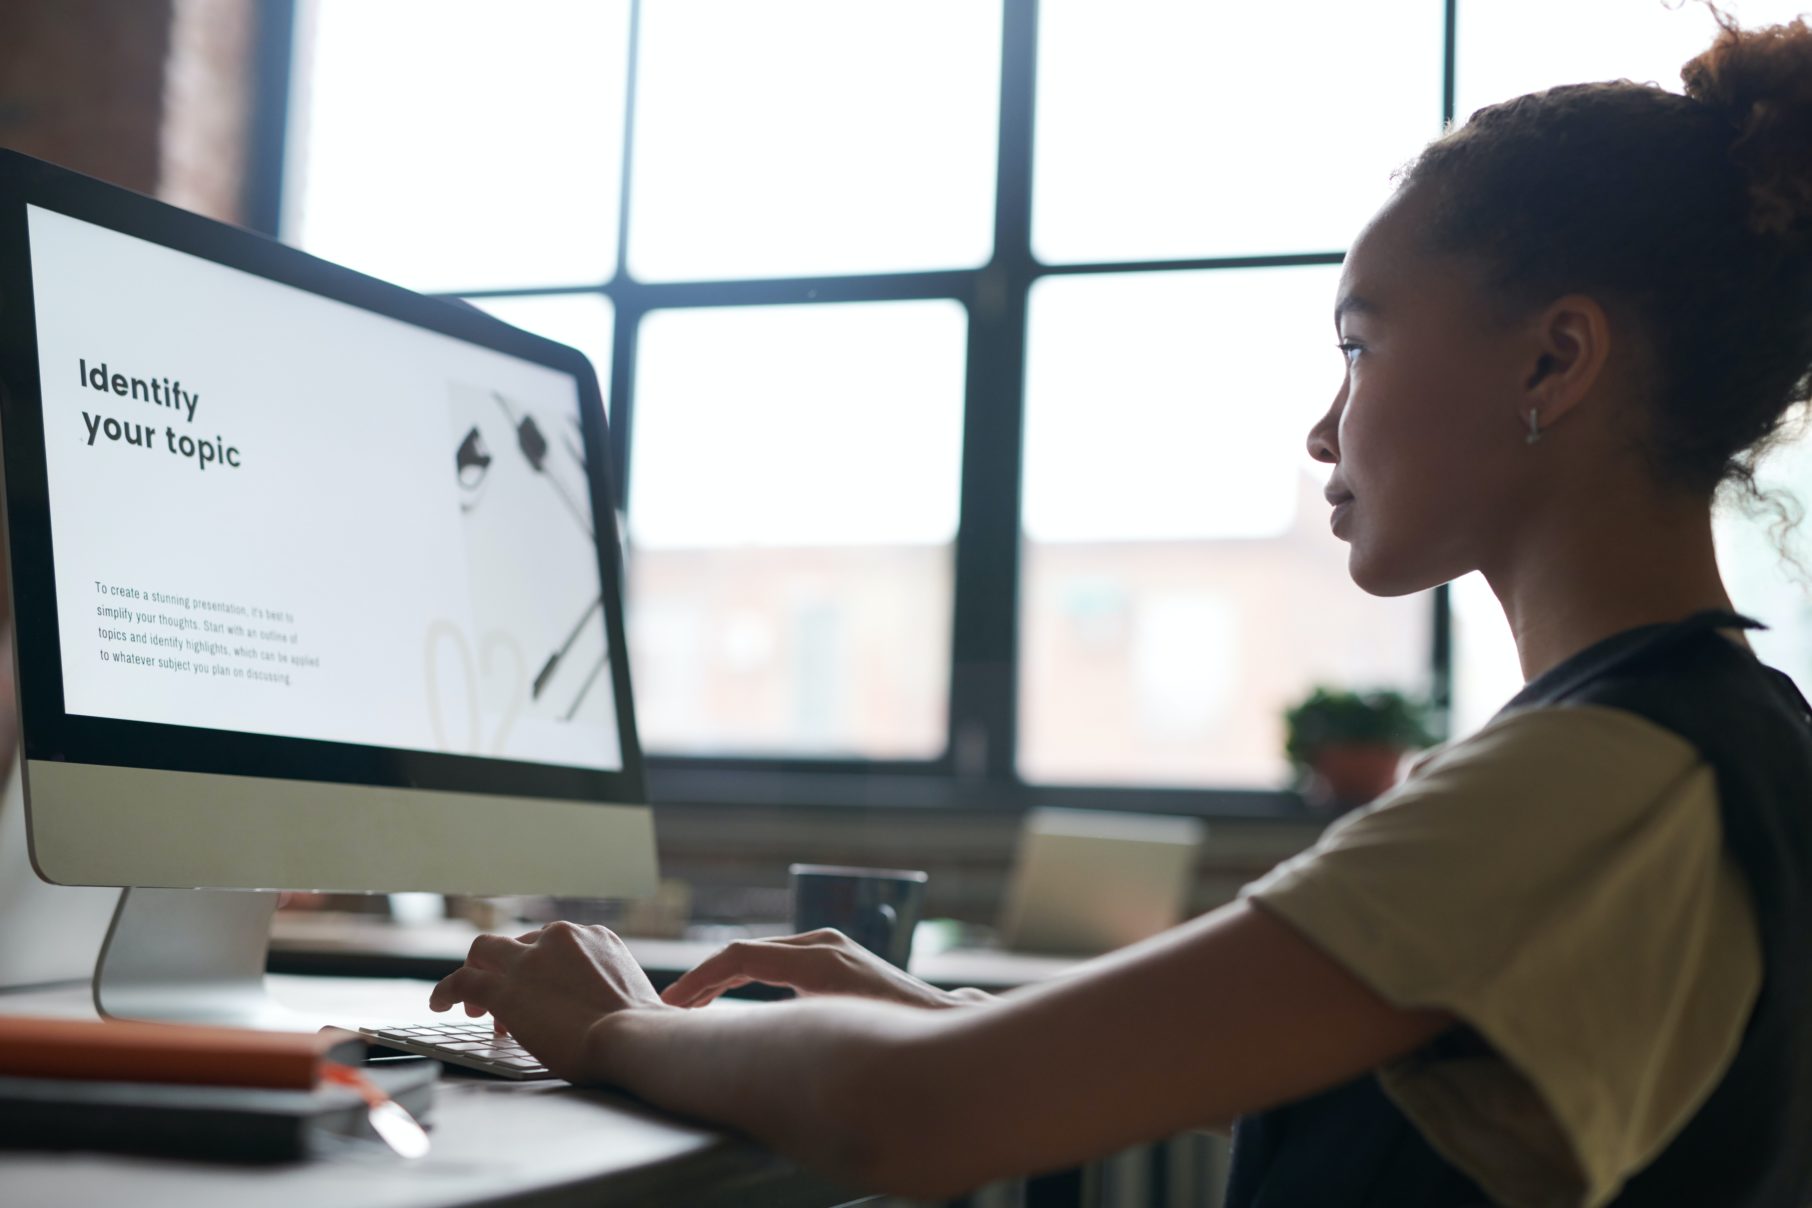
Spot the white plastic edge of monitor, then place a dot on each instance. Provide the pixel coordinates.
(91, 824)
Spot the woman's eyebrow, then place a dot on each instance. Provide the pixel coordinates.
(1353, 303)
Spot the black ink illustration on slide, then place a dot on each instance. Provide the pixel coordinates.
(537, 652)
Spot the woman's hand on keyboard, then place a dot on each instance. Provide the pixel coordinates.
(817, 962)
(547, 987)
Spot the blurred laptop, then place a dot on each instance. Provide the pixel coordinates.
(1087, 881)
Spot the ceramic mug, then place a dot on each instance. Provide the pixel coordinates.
(877, 907)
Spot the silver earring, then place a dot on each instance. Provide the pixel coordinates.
(1534, 427)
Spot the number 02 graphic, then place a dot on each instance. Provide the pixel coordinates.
(495, 643)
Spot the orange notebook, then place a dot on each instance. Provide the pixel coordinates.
(117, 1051)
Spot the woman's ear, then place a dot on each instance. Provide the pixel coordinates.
(1571, 345)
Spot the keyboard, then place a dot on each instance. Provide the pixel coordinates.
(475, 1046)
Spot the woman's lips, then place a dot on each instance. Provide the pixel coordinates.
(1342, 505)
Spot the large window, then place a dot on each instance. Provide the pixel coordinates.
(1172, 129)
(792, 524)
(959, 354)
(457, 144)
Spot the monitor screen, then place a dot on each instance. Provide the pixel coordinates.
(276, 513)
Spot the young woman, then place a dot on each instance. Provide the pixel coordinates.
(1568, 961)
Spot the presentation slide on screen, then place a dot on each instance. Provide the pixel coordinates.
(278, 514)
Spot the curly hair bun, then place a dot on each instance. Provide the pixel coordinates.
(1761, 79)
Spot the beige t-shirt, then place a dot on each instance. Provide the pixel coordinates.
(1559, 882)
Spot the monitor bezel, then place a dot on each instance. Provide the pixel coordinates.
(52, 734)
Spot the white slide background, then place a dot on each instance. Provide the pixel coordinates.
(344, 512)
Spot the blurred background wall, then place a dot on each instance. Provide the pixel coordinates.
(155, 95)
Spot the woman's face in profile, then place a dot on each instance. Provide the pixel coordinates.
(1424, 434)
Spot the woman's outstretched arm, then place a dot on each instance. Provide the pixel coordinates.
(1227, 1014)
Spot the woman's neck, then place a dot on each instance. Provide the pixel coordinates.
(1579, 575)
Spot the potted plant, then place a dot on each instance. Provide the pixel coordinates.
(1346, 746)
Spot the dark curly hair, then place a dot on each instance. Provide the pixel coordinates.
(1688, 216)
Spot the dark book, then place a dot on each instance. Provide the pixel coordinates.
(231, 1123)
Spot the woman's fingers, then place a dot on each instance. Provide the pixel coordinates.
(738, 964)
(746, 961)
(702, 978)
(823, 935)
(821, 962)
(706, 995)
(473, 987)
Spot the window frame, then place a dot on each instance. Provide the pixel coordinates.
(977, 770)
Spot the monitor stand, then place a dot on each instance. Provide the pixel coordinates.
(191, 956)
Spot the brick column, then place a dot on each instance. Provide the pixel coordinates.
(155, 95)
(208, 87)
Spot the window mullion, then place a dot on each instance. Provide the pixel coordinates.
(984, 646)
(628, 307)
(1440, 678)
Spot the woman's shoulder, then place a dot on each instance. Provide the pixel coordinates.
(1542, 773)
(1696, 678)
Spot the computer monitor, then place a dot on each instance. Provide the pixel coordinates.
(316, 584)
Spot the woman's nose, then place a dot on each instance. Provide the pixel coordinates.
(1322, 444)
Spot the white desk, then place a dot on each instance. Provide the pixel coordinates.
(546, 1143)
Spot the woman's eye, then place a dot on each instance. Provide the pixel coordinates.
(1348, 349)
